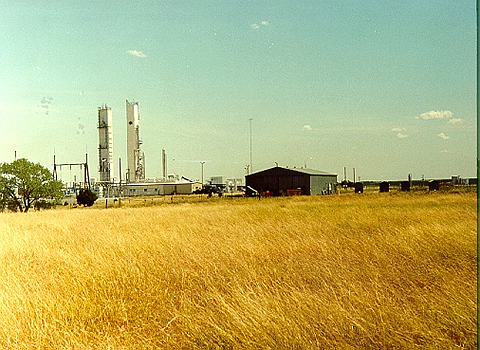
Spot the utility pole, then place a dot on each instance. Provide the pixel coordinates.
(250, 126)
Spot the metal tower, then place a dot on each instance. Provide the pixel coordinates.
(135, 156)
(105, 142)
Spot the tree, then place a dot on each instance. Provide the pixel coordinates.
(23, 183)
(86, 197)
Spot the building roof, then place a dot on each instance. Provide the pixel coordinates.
(299, 170)
(160, 183)
(312, 171)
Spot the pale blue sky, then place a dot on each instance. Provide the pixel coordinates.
(387, 87)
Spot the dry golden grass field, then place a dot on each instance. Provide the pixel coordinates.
(369, 271)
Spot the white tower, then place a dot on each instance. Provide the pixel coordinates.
(164, 164)
(135, 157)
(105, 142)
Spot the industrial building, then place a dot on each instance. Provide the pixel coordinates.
(157, 188)
(279, 181)
(105, 142)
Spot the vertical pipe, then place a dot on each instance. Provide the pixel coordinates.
(54, 168)
(86, 173)
(119, 171)
(250, 125)
(164, 164)
(202, 171)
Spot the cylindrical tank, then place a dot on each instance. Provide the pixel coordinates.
(384, 186)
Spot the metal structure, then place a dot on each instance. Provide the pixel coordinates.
(105, 144)
(202, 163)
(250, 168)
(83, 166)
(280, 181)
(135, 156)
(164, 164)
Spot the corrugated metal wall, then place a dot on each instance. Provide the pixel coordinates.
(319, 184)
(278, 180)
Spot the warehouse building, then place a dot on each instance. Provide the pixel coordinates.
(279, 181)
(157, 188)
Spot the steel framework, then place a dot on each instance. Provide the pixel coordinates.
(86, 173)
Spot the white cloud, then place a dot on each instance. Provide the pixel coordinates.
(454, 121)
(444, 151)
(256, 26)
(401, 136)
(398, 129)
(443, 136)
(136, 53)
(435, 115)
(307, 128)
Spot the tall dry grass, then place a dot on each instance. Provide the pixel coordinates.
(379, 271)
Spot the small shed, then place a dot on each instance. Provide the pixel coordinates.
(281, 181)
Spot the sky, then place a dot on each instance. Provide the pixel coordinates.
(385, 87)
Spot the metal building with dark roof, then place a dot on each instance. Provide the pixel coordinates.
(279, 181)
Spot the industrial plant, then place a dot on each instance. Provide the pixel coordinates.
(275, 181)
(133, 182)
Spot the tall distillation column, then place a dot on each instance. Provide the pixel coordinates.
(105, 143)
(135, 156)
